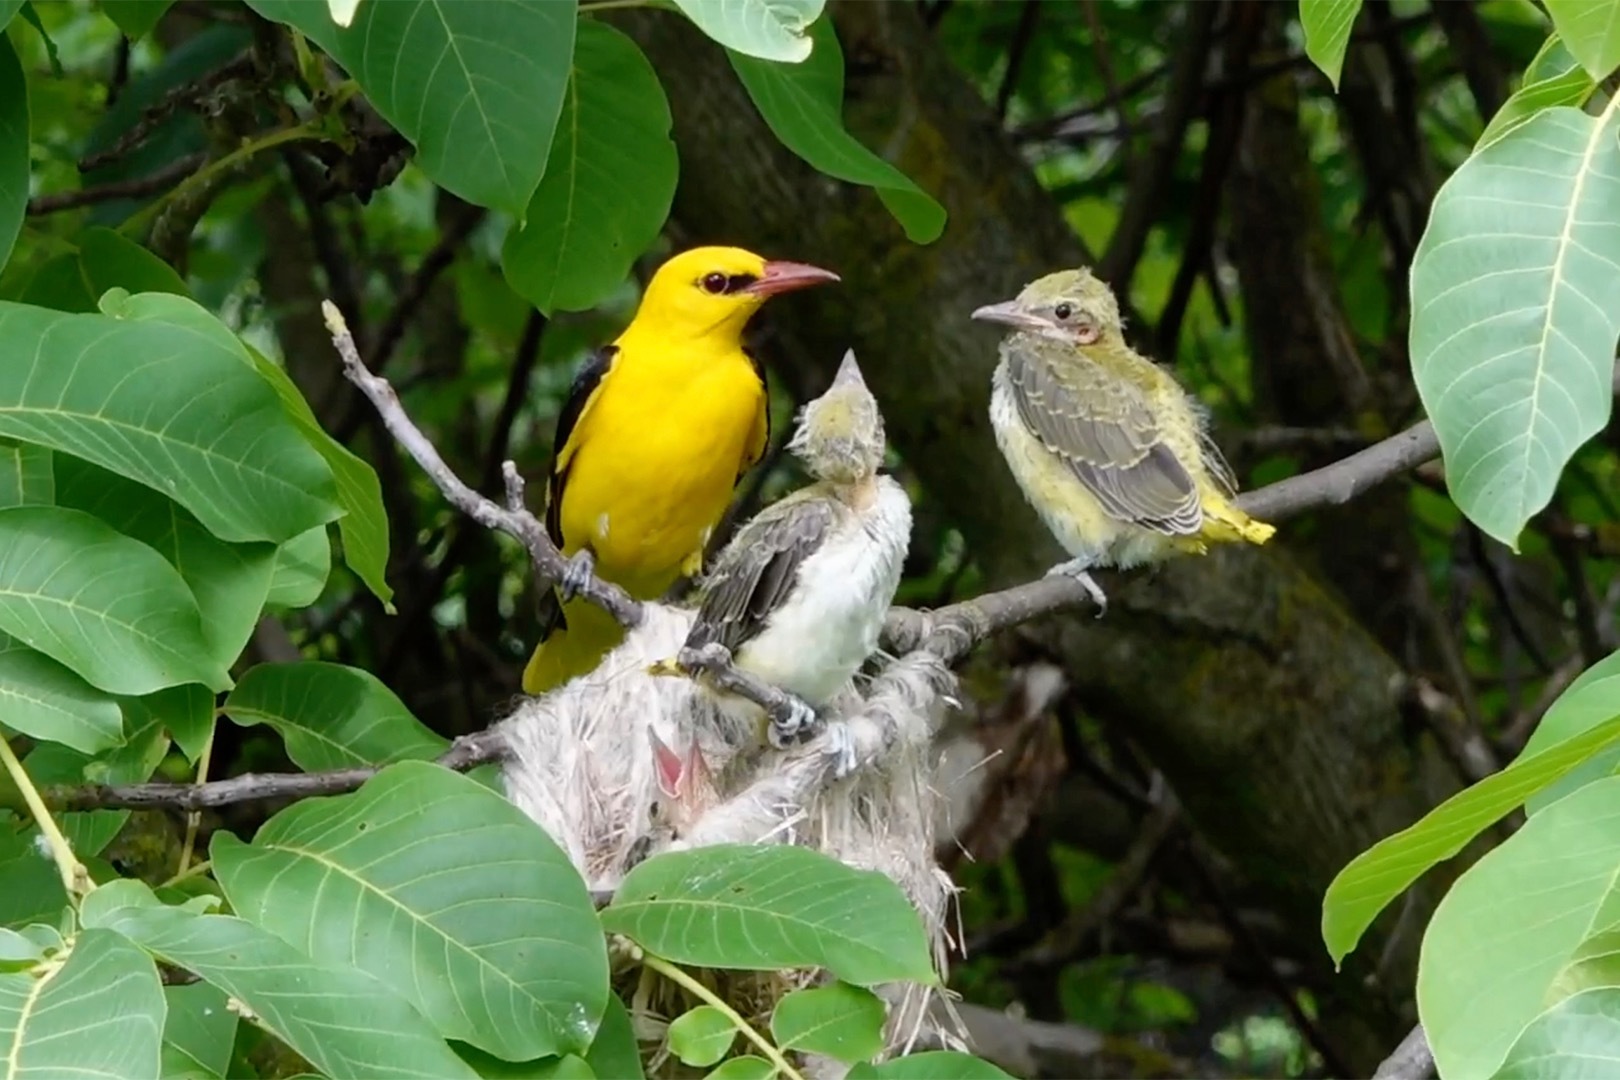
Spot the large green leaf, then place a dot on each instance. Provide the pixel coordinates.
(185, 712)
(301, 568)
(476, 85)
(343, 1021)
(8, 9)
(608, 184)
(99, 1014)
(1579, 1036)
(136, 18)
(199, 1032)
(803, 105)
(1375, 877)
(838, 1021)
(108, 260)
(166, 404)
(614, 1052)
(1515, 311)
(701, 1036)
(1327, 25)
(331, 716)
(770, 906)
(767, 29)
(26, 475)
(1591, 28)
(229, 581)
(932, 1065)
(108, 607)
(1512, 923)
(33, 889)
(1553, 78)
(42, 698)
(440, 886)
(13, 147)
(1591, 700)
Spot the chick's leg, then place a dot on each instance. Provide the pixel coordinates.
(1079, 570)
(795, 722)
(576, 576)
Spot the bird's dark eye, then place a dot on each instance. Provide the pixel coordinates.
(1063, 311)
(715, 283)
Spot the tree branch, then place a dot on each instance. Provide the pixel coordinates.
(139, 187)
(1412, 1059)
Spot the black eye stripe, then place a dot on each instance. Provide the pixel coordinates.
(739, 282)
(719, 284)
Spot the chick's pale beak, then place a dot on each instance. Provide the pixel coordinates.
(781, 277)
(1011, 314)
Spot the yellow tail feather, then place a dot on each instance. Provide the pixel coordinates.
(1225, 523)
(568, 653)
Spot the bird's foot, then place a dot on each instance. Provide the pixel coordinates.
(840, 746)
(1079, 570)
(668, 666)
(578, 570)
(794, 722)
(711, 657)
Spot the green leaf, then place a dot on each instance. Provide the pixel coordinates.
(766, 907)
(477, 87)
(448, 891)
(767, 29)
(1327, 25)
(136, 18)
(164, 397)
(13, 147)
(803, 105)
(90, 831)
(839, 1021)
(1595, 962)
(490, 1067)
(609, 181)
(99, 1014)
(342, 11)
(364, 524)
(27, 477)
(331, 716)
(42, 698)
(1592, 699)
(1375, 877)
(745, 1067)
(185, 712)
(1591, 29)
(33, 887)
(228, 581)
(8, 9)
(614, 1052)
(1580, 1036)
(1512, 923)
(1553, 78)
(106, 606)
(702, 1036)
(1515, 312)
(199, 1032)
(343, 1021)
(108, 260)
(933, 1065)
(302, 566)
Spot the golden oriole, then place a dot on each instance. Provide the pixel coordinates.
(1105, 444)
(658, 428)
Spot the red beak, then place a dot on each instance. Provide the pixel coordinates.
(781, 277)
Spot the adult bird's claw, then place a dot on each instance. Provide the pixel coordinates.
(576, 575)
(1078, 570)
(797, 723)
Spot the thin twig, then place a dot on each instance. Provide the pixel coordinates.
(156, 113)
(717, 1003)
(166, 177)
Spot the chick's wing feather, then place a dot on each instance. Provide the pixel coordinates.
(1102, 428)
(758, 569)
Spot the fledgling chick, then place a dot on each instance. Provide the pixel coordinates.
(1106, 445)
(686, 790)
(799, 595)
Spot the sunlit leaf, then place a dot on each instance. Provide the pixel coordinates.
(42, 698)
(1553, 78)
(839, 1021)
(743, 1067)
(477, 87)
(1591, 29)
(1592, 699)
(13, 145)
(767, 29)
(931, 1065)
(98, 1014)
(343, 1021)
(701, 1036)
(445, 889)
(168, 404)
(331, 716)
(1579, 1036)
(105, 606)
(771, 906)
(1512, 923)
(608, 184)
(342, 11)
(1327, 25)
(803, 105)
(1375, 877)
(1516, 309)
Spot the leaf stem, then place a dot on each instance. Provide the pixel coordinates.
(138, 220)
(588, 6)
(191, 872)
(75, 878)
(194, 819)
(714, 1001)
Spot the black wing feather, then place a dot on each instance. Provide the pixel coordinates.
(590, 376)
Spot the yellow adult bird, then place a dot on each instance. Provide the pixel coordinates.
(1105, 444)
(658, 428)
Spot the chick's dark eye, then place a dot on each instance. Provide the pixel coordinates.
(1063, 311)
(714, 283)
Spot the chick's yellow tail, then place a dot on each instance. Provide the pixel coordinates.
(1226, 524)
(571, 651)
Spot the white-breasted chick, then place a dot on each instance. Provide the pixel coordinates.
(799, 595)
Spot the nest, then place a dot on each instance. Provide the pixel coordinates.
(582, 766)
